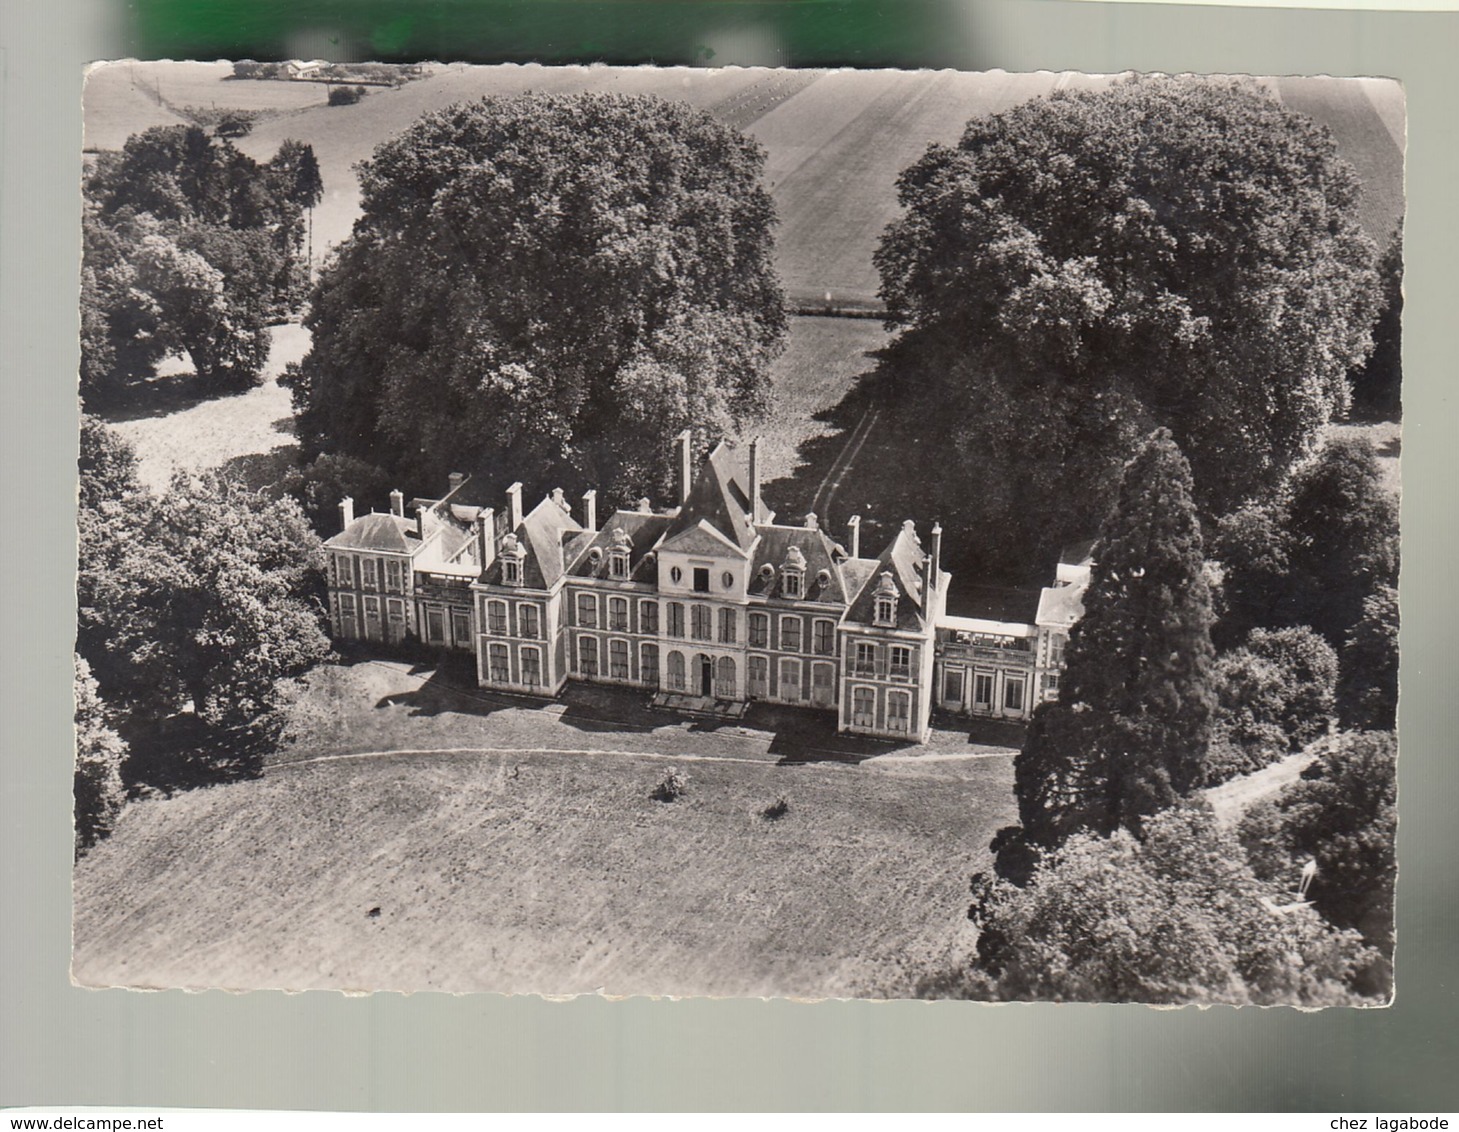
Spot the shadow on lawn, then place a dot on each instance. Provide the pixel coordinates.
(184, 753)
(161, 397)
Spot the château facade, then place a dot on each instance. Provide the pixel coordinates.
(709, 604)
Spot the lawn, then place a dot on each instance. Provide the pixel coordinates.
(547, 872)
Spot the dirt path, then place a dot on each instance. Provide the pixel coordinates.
(1232, 799)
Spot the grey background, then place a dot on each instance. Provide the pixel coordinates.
(62, 1045)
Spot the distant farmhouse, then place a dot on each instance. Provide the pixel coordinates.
(708, 605)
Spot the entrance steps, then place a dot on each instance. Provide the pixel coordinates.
(700, 705)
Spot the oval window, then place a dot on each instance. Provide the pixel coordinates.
(728, 579)
(675, 574)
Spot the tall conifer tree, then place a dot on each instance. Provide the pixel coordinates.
(1128, 735)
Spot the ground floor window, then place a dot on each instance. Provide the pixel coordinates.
(648, 666)
(724, 678)
(863, 707)
(676, 671)
(461, 626)
(1051, 685)
(435, 626)
(531, 668)
(1013, 694)
(758, 676)
(952, 685)
(983, 690)
(588, 656)
(899, 712)
(618, 659)
(500, 668)
(823, 679)
(790, 679)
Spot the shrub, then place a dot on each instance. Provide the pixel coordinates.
(345, 95)
(776, 810)
(671, 787)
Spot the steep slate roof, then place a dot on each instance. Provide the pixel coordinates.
(720, 497)
(1060, 606)
(644, 531)
(383, 532)
(544, 535)
(903, 559)
(775, 544)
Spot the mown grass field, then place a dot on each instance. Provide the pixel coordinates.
(547, 872)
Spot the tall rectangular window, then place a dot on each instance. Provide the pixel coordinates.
(588, 611)
(790, 634)
(501, 672)
(1013, 694)
(531, 668)
(899, 712)
(825, 637)
(865, 659)
(901, 662)
(460, 628)
(983, 690)
(618, 659)
(435, 626)
(863, 707)
(648, 666)
(676, 618)
(952, 685)
(496, 618)
(588, 656)
(392, 575)
(676, 671)
(728, 629)
(648, 617)
(618, 614)
(367, 570)
(701, 579)
(700, 623)
(759, 631)
(527, 622)
(790, 680)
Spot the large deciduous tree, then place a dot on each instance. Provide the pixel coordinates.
(1164, 252)
(556, 283)
(188, 245)
(1128, 734)
(100, 751)
(205, 598)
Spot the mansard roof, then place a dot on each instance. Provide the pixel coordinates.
(643, 529)
(388, 534)
(902, 559)
(1010, 604)
(820, 557)
(719, 497)
(546, 537)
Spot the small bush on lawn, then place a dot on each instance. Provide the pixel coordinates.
(671, 787)
(776, 810)
(345, 95)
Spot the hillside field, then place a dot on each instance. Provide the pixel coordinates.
(835, 141)
(555, 874)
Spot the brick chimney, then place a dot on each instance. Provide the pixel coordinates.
(685, 441)
(485, 543)
(811, 522)
(590, 509)
(560, 498)
(514, 505)
(934, 557)
(397, 504)
(853, 525)
(644, 507)
(755, 480)
(455, 479)
(346, 512)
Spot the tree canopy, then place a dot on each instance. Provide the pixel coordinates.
(189, 245)
(205, 598)
(1129, 732)
(558, 283)
(1176, 917)
(1171, 252)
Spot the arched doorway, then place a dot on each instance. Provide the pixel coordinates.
(704, 667)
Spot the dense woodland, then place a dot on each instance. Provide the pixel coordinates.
(1132, 312)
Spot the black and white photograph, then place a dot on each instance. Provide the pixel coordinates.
(739, 532)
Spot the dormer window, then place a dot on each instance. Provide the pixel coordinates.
(884, 604)
(512, 555)
(792, 574)
(618, 554)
